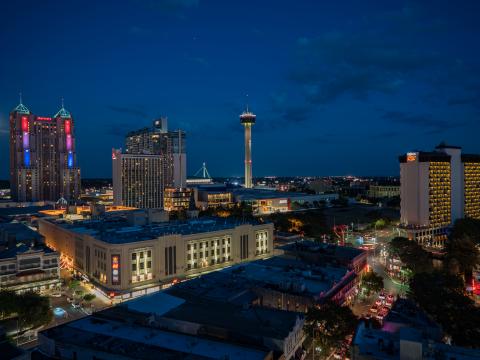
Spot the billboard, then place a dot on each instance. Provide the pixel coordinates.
(115, 269)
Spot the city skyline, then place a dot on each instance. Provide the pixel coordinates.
(330, 84)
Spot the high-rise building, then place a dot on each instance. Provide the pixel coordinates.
(43, 164)
(137, 179)
(437, 188)
(247, 119)
(157, 140)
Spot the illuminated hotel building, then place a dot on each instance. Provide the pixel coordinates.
(436, 189)
(157, 140)
(43, 165)
(137, 180)
(128, 258)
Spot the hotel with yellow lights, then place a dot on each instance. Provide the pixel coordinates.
(437, 188)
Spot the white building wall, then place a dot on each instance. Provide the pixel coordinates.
(414, 203)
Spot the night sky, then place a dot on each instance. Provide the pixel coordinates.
(338, 87)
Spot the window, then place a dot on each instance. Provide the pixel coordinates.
(134, 267)
(188, 247)
(212, 252)
(149, 253)
(149, 264)
(141, 255)
(189, 257)
(142, 266)
(134, 256)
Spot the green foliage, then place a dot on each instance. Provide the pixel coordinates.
(411, 254)
(32, 309)
(372, 282)
(89, 297)
(462, 254)
(313, 223)
(74, 284)
(380, 224)
(330, 324)
(8, 303)
(442, 296)
(466, 228)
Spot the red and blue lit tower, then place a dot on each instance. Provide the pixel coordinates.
(42, 156)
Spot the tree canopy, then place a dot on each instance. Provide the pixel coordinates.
(31, 309)
(330, 324)
(372, 282)
(411, 254)
(442, 296)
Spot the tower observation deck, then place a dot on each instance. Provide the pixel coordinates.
(247, 119)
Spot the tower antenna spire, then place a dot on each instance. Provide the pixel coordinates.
(62, 103)
(247, 102)
(20, 96)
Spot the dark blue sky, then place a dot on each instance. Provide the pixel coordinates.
(338, 87)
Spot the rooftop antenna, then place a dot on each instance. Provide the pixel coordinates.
(20, 96)
(62, 103)
(247, 102)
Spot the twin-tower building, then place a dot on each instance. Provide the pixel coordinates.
(43, 161)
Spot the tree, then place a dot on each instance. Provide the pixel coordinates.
(372, 282)
(462, 255)
(466, 228)
(89, 297)
(74, 284)
(442, 296)
(8, 304)
(33, 310)
(330, 324)
(411, 254)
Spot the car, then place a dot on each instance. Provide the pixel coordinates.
(76, 306)
(56, 294)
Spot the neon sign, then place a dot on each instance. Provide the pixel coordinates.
(70, 160)
(44, 118)
(24, 123)
(411, 157)
(69, 142)
(26, 140)
(68, 127)
(115, 269)
(26, 157)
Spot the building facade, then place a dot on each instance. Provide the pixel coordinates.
(26, 264)
(124, 258)
(43, 164)
(437, 188)
(158, 140)
(175, 199)
(383, 191)
(137, 180)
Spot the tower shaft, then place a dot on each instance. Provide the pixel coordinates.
(248, 156)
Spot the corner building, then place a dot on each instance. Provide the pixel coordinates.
(126, 259)
(436, 189)
(43, 164)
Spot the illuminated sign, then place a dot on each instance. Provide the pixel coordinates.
(68, 127)
(69, 142)
(283, 201)
(114, 157)
(411, 157)
(70, 160)
(24, 123)
(115, 269)
(26, 157)
(26, 140)
(44, 118)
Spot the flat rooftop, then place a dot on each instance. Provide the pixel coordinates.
(236, 284)
(117, 230)
(256, 194)
(144, 342)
